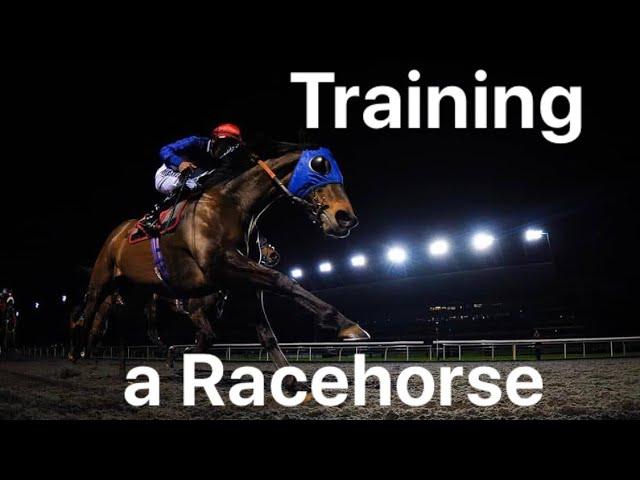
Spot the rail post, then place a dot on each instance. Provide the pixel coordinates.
(564, 345)
(340, 355)
(407, 353)
(515, 353)
(430, 353)
(459, 353)
(298, 355)
(611, 345)
(229, 354)
(624, 350)
(444, 352)
(309, 353)
(584, 350)
(260, 355)
(493, 352)
(386, 351)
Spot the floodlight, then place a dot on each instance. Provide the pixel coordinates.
(397, 255)
(533, 235)
(439, 248)
(482, 241)
(358, 261)
(325, 267)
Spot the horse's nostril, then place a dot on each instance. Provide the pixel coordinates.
(346, 219)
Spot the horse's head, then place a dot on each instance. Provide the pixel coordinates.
(318, 180)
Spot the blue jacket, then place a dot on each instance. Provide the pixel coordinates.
(192, 148)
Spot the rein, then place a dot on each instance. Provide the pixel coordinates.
(313, 210)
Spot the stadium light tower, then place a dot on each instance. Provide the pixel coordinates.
(482, 241)
(325, 267)
(64, 299)
(358, 261)
(297, 273)
(36, 305)
(397, 255)
(439, 248)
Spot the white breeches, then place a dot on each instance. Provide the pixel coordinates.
(167, 180)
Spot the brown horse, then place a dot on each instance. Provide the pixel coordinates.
(203, 256)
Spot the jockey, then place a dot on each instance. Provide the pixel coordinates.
(189, 158)
(6, 299)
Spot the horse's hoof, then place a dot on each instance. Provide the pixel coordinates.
(353, 333)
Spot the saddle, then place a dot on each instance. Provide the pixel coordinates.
(166, 223)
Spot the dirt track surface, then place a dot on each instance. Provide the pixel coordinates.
(590, 389)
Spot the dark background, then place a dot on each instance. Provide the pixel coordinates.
(80, 152)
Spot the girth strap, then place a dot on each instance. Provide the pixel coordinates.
(160, 265)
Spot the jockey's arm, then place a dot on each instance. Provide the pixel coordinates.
(176, 155)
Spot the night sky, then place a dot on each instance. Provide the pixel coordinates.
(81, 145)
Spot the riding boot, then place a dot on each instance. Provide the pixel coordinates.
(150, 221)
(190, 181)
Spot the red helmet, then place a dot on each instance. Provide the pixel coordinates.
(225, 130)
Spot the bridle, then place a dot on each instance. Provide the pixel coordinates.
(314, 210)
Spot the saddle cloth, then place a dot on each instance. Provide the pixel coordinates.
(168, 225)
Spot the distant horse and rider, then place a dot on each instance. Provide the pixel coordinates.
(214, 247)
(8, 321)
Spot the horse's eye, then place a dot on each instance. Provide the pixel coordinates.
(320, 165)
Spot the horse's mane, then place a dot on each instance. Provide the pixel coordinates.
(279, 148)
(272, 149)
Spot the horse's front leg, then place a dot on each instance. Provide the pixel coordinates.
(242, 272)
(268, 339)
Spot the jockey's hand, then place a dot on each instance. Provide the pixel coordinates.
(186, 165)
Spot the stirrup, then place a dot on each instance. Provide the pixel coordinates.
(149, 224)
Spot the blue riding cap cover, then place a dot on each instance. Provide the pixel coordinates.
(304, 179)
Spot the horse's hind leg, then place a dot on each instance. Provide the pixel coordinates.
(100, 286)
(100, 320)
(80, 326)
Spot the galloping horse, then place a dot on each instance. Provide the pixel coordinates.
(207, 252)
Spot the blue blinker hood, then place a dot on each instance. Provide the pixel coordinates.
(305, 180)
